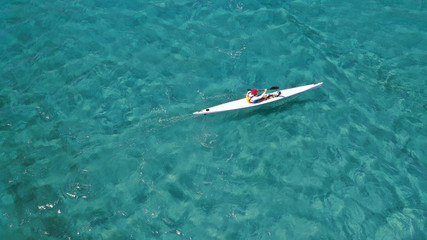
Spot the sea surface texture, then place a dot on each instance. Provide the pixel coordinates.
(98, 139)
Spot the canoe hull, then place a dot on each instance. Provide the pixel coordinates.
(242, 103)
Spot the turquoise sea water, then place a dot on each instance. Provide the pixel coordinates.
(97, 140)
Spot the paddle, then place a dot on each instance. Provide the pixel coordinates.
(272, 88)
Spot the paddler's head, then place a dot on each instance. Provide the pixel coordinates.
(254, 91)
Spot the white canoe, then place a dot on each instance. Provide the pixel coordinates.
(243, 103)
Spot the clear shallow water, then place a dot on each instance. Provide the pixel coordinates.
(98, 140)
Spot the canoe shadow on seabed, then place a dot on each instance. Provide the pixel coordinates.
(271, 109)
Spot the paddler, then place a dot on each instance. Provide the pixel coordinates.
(252, 96)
